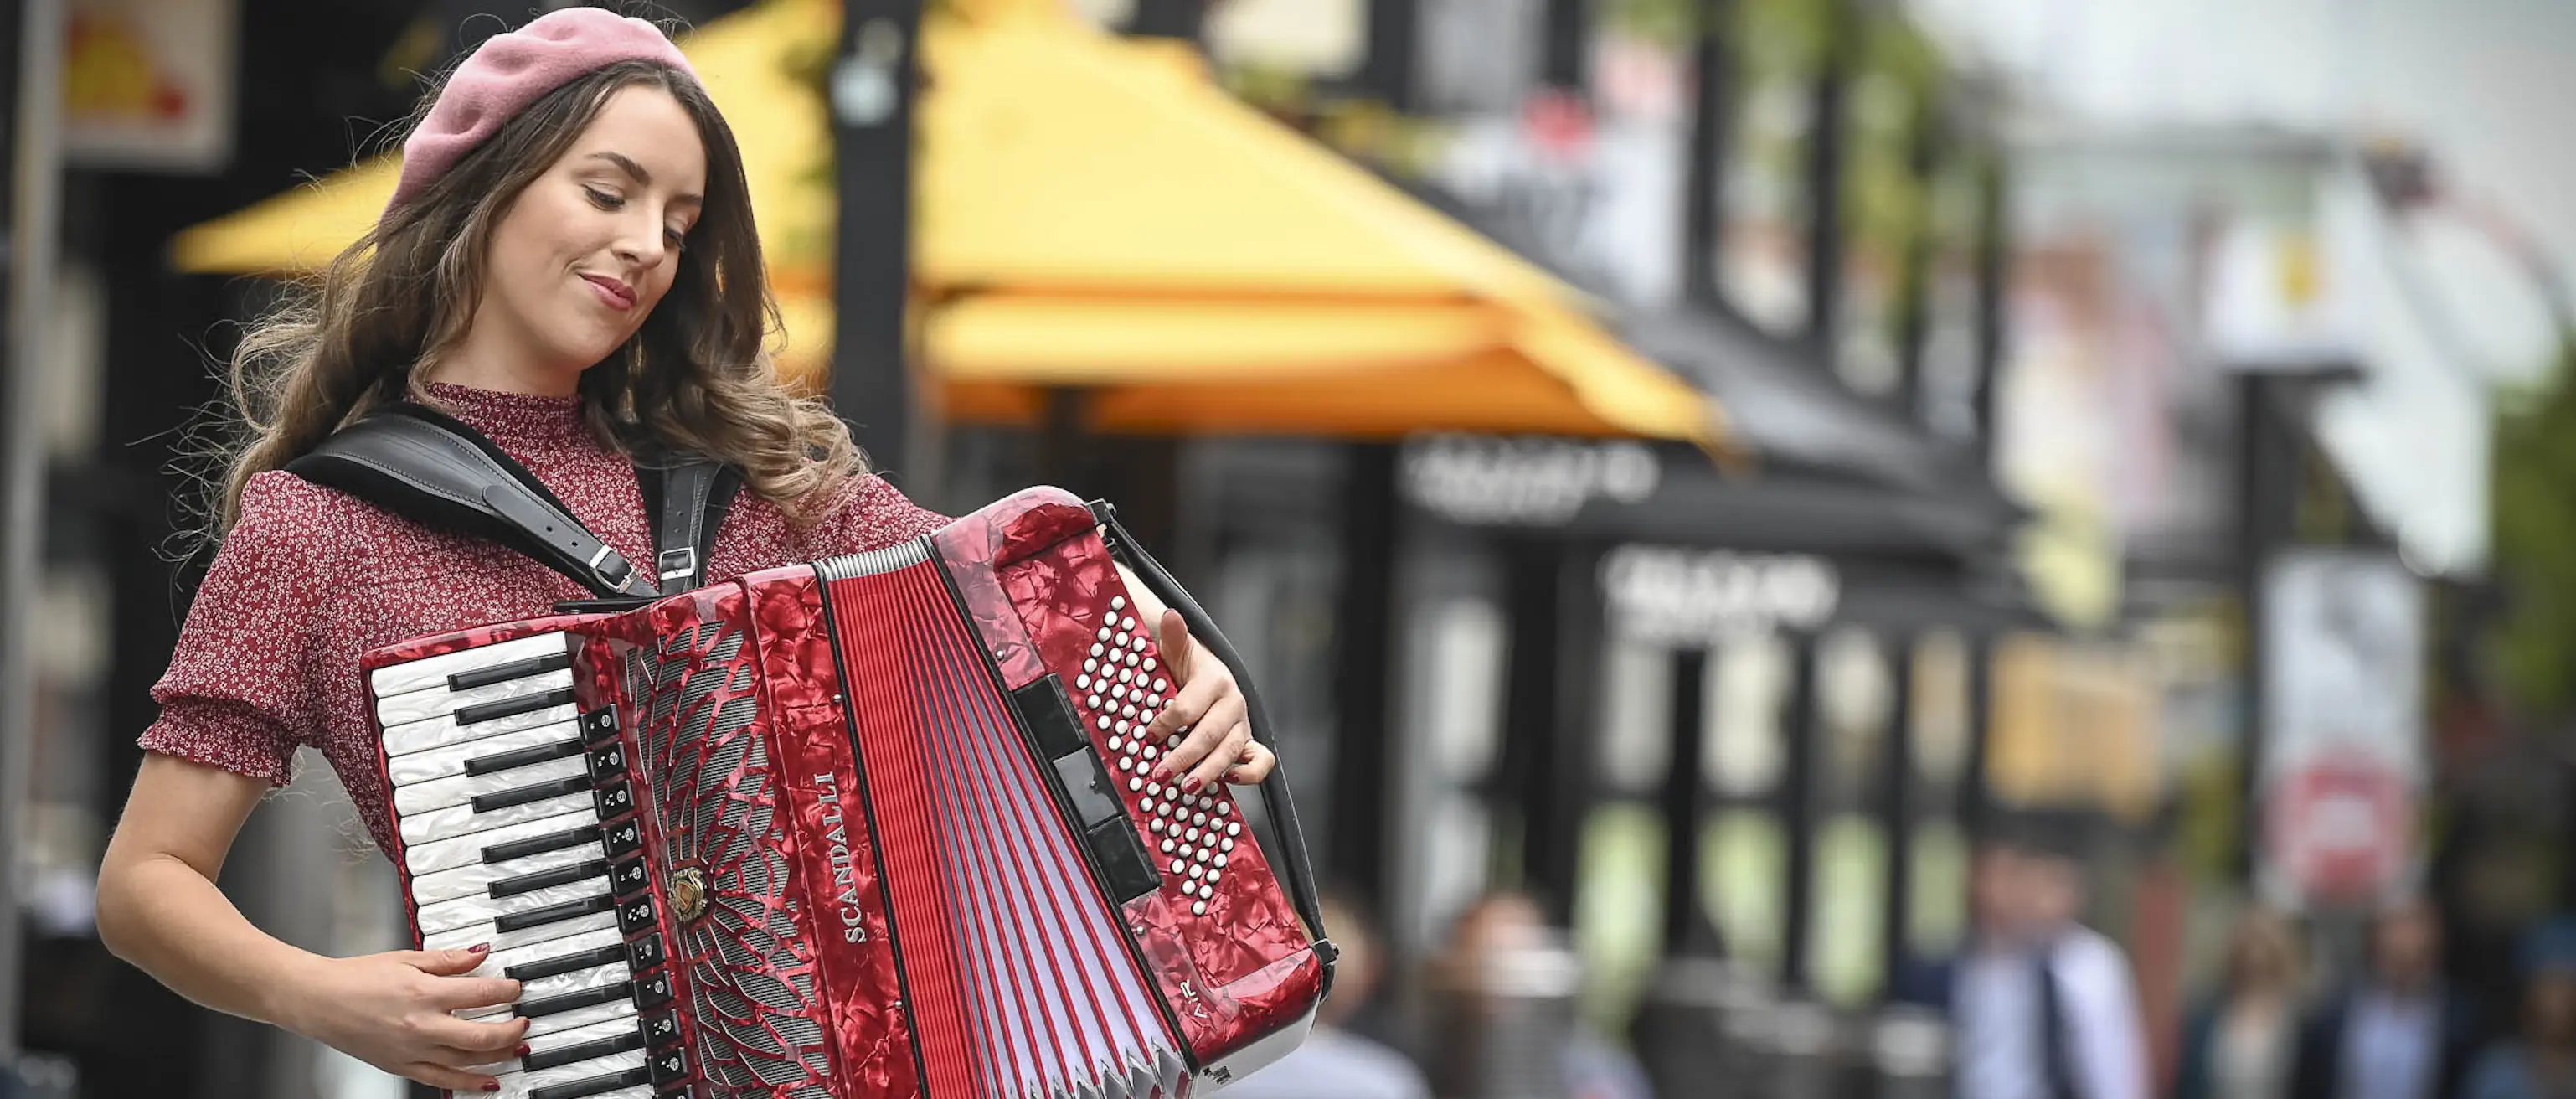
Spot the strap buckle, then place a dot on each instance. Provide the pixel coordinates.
(676, 563)
(611, 567)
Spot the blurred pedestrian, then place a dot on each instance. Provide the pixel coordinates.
(568, 267)
(1334, 1061)
(1506, 1027)
(2042, 1006)
(2401, 1031)
(2241, 1044)
(2541, 1063)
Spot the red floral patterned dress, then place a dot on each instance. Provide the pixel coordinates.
(310, 578)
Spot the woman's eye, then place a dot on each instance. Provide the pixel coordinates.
(603, 199)
(677, 237)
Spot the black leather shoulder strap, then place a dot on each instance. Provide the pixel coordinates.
(685, 500)
(434, 470)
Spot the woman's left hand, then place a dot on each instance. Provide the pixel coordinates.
(1211, 706)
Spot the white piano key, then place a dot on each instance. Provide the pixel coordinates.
(449, 915)
(422, 797)
(575, 1020)
(557, 985)
(448, 761)
(548, 1043)
(441, 731)
(639, 1091)
(456, 820)
(467, 849)
(487, 932)
(429, 672)
(517, 1085)
(499, 963)
(420, 705)
(475, 880)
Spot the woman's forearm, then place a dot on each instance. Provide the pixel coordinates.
(165, 918)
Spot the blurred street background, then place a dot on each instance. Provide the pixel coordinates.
(1738, 507)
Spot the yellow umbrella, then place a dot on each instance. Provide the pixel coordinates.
(1091, 214)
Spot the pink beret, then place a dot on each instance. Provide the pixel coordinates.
(509, 71)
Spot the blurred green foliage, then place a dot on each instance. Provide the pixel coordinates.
(2534, 505)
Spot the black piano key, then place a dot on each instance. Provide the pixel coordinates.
(575, 1001)
(539, 917)
(608, 763)
(636, 916)
(613, 801)
(535, 791)
(512, 707)
(568, 963)
(596, 1085)
(652, 990)
(623, 838)
(524, 757)
(544, 879)
(538, 845)
(599, 725)
(557, 1058)
(668, 1067)
(628, 877)
(661, 1027)
(516, 669)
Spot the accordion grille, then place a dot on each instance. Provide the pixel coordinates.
(711, 794)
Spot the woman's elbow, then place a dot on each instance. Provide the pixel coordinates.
(117, 905)
(109, 910)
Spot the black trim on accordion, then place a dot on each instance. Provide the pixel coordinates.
(1082, 786)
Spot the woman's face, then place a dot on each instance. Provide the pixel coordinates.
(589, 248)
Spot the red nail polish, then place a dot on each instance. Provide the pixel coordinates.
(479, 948)
(491, 1085)
(1190, 785)
(523, 1050)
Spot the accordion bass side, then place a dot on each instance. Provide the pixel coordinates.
(886, 825)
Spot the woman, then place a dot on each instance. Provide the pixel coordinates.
(569, 265)
(2242, 1043)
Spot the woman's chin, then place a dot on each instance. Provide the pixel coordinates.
(588, 349)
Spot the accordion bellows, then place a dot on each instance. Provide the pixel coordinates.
(885, 825)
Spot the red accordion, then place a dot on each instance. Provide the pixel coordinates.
(886, 825)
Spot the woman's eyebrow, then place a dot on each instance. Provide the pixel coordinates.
(642, 178)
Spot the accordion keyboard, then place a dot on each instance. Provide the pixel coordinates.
(519, 832)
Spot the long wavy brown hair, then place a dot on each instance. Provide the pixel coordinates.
(696, 376)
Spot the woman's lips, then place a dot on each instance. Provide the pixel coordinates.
(611, 291)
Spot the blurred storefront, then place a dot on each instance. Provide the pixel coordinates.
(1681, 702)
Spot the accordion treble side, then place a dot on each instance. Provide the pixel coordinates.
(885, 825)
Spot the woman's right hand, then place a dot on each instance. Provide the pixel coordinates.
(393, 1011)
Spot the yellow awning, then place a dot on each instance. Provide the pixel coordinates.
(1090, 213)
(1178, 366)
(1056, 156)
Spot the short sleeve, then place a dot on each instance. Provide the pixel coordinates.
(238, 694)
(870, 514)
